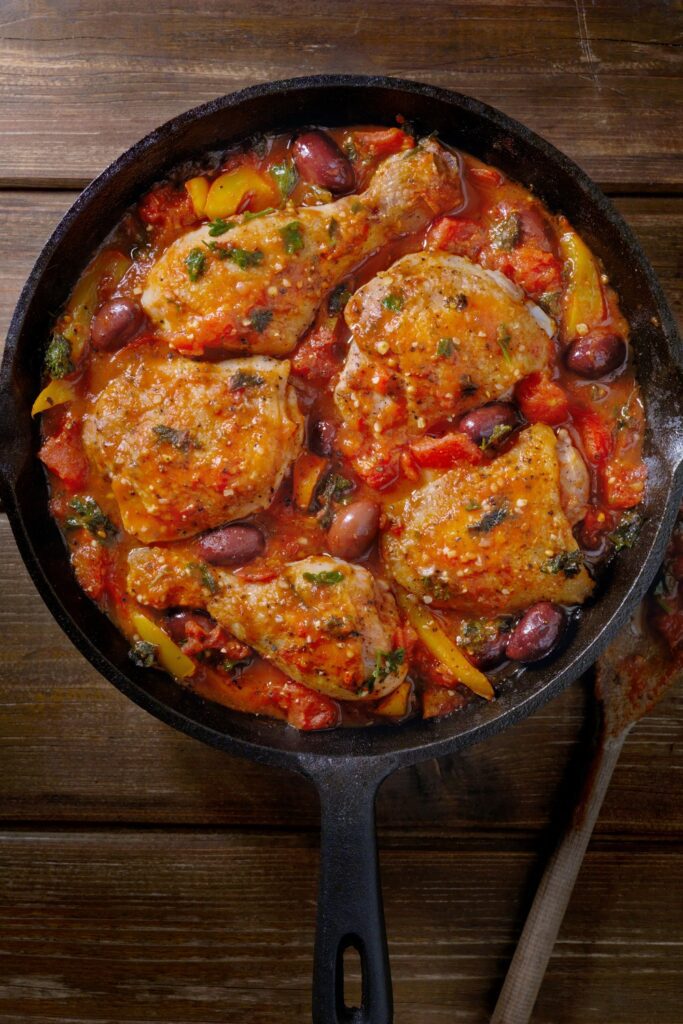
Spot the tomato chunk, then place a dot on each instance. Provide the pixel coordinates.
(457, 235)
(63, 455)
(93, 563)
(382, 142)
(622, 486)
(317, 358)
(541, 400)
(596, 437)
(445, 452)
(167, 206)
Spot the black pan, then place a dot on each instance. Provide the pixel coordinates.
(348, 765)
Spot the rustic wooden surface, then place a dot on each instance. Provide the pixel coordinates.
(147, 878)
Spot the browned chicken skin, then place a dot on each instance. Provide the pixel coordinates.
(263, 280)
(325, 623)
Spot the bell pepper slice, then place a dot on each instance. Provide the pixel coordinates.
(57, 392)
(443, 649)
(395, 705)
(198, 190)
(584, 302)
(168, 653)
(84, 299)
(229, 191)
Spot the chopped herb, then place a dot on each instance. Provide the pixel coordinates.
(357, 207)
(334, 624)
(333, 228)
(89, 516)
(231, 665)
(627, 531)
(393, 302)
(58, 357)
(219, 250)
(286, 177)
(179, 439)
(445, 347)
(458, 301)
(245, 258)
(550, 302)
(195, 261)
(467, 385)
(259, 318)
(324, 579)
(335, 488)
(497, 435)
(142, 654)
(206, 577)
(437, 587)
(338, 299)
(503, 339)
(292, 236)
(244, 379)
(220, 226)
(506, 233)
(386, 664)
(568, 562)
(472, 505)
(249, 215)
(498, 513)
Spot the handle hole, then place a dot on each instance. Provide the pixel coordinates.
(352, 977)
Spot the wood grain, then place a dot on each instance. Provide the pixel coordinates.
(81, 80)
(147, 926)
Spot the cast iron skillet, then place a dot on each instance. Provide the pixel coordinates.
(348, 765)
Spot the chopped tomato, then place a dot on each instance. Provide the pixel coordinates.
(541, 400)
(457, 235)
(596, 437)
(93, 563)
(166, 205)
(317, 358)
(264, 689)
(381, 474)
(382, 142)
(64, 456)
(622, 486)
(445, 452)
(596, 524)
(536, 271)
(486, 177)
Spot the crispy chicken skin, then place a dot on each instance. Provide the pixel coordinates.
(188, 445)
(293, 256)
(331, 632)
(484, 540)
(433, 336)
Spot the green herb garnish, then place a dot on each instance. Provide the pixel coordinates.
(507, 232)
(58, 357)
(142, 654)
(220, 226)
(393, 302)
(334, 488)
(338, 299)
(195, 261)
(445, 347)
(244, 379)
(292, 236)
(286, 177)
(357, 207)
(206, 577)
(249, 215)
(259, 318)
(627, 531)
(333, 228)
(437, 587)
(503, 338)
(497, 435)
(498, 513)
(324, 579)
(179, 439)
(245, 258)
(550, 302)
(568, 562)
(89, 516)
(386, 663)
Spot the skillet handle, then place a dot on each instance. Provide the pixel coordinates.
(350, 912)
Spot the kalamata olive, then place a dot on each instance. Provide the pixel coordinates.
(596, 354)
(353, 529)
(492, 652)
(175, 623)
(115, 323)
(480, 424)
(320, 161)
(321, 436)
(536, 633)
(232, 545)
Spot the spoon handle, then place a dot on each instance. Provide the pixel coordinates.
(525, 974)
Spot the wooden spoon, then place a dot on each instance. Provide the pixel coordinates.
(631, 676)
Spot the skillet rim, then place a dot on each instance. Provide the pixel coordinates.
(277, 743)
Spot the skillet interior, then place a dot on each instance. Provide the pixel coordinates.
(462, 122)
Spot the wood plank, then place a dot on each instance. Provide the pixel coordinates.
(80, 81)
(184, 927)
(75, 750)
(28, 218)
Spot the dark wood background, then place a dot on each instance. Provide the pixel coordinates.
(147, 878)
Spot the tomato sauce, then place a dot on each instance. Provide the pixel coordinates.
(500, 225)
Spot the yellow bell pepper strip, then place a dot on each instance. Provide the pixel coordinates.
(228, 191)
(74, 325)
(57, 392)
(443, 649)
(306, 475)
(198, 190)
(584, 302)
(395, 705)
(168, 653)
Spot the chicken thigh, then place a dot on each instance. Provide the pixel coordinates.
(323, 622)
(490, 539)
(188, 445)
(433, 336)
(257, 287)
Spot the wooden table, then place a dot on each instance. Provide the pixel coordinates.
(147, 878)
